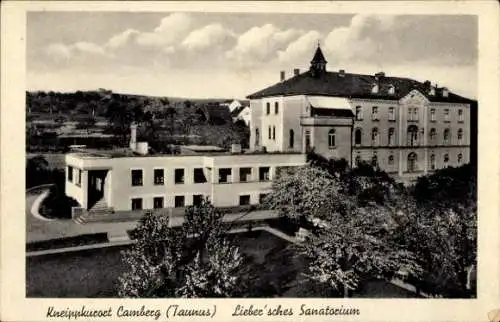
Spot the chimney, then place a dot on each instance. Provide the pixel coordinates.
(282, 75)
(379, 75)
(341, 73)
(133, 136)
(296, 72)
(235, 148)
(445, 92)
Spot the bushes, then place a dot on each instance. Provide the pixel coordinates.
(57, 205)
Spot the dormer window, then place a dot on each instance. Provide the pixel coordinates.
(375, 89)
(391, 90)
(445, 92)
(432, 91)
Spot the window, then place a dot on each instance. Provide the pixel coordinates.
(70, 173)
(446, 136)
(257, 137)
(245, 174)
(392, 114)
(331, 138)
(197, 199)
(262, 198)
(392, 136)
(374, 161)
(446, 160)
(391, 90)
(460, 136)
(359, 113)
(357, 137)
(375, 136)
(291, 139)
(136, 203)
(269, 132)
(79, 178)
(412, 162)
(460, 158)
(460, 116)
(179, 201)
(446, 115)
(179, 176)
(199, 176)
(264, 173)
(268, 108)
(412, 135)
(432, 136)
(412, 114)
(274, 132)
(375, 113)
(136, 177)
(158, 202)
(433, 162)
(357, 160)
(375, 89)
(391, 160)
(276, 107)
(308, 139)
(224, 175)
(433, 115)
(244, 200)
(158, 177)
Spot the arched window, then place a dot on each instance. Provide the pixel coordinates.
(331, 138)
(375, 88)
(446, 160)
(291, 138)
(374, 161)
(268, 108)
(357, 137)
(257, 137)
(391, 160)
(446, 136)
(392, 137)
(460, 136)
(460, 158)
(432, 162)
(359, 113)
(391, 90)
(412, 162)
(276, 107)
(412, 135)
(432, 135)
(375, 136)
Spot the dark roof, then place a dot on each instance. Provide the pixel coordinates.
(353, 86)
(318, 57)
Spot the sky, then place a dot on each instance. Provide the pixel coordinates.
(231, 55)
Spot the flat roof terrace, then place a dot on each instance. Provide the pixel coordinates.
(88, 153)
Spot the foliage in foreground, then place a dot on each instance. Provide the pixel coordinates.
(192, 261)
(364, 225)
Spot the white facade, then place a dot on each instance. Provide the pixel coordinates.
(118, 188)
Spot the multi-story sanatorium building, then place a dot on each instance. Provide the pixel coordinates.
(406, 127)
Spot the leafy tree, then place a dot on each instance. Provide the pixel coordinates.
(349, 243)
(192, 261)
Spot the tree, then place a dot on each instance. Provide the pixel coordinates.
(192, 261)
(349, 243)
(350, 249)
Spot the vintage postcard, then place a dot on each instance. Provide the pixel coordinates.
(264, 161)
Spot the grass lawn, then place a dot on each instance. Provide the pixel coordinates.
(272, 268)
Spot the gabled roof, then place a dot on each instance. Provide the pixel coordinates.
(238, 110)
(318, 57)
(353, 86)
